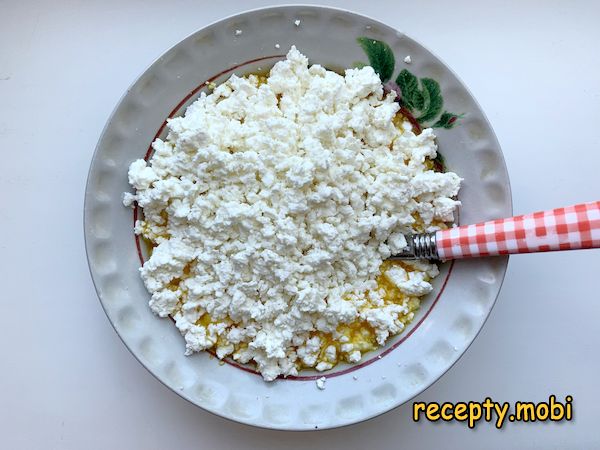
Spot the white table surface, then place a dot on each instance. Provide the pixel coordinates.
(67, 381)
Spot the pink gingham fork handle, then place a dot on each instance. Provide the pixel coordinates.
(570, 228)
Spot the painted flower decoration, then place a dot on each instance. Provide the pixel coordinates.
(421, 99)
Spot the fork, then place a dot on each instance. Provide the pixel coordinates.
(570, 228)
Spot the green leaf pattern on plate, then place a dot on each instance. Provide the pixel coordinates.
(409, 85)
(435, 101)
(381, 57)
(421, 97)
(447, 120)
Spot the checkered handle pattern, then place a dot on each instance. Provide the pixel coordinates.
(570, 228)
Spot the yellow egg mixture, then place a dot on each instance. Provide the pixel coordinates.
(360, 334)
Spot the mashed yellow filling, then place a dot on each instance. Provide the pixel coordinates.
(360, 334)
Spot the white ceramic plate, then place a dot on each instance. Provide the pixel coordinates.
(450, 317)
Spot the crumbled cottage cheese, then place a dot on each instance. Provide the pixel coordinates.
(321, 383)
(272, 206)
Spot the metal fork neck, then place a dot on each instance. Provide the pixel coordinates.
(419, 246)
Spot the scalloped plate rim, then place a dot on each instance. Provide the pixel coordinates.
(88, 200)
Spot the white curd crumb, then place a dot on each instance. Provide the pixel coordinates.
(346, 347)
(277, 46)
(330, 353)
(297, 22)
(408, 59)
(321, 383)
(409, 283)
(128, 199)
(354, 356)
(323, 365)
(238, 32)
